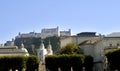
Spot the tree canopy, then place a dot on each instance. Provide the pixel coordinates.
(70, 48)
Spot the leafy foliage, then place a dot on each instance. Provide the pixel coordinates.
(18, 62)
(28, 42)
(32, 63)
(52, 63)
(88, 63)
(55, 42)
(36, 42)
(114, 59)
(65, 62)
(71, 48)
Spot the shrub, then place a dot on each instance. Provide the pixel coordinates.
(114, 59)
(32, 63)
(77, 62)
(18, 62)
(88, 63)
(52, 63)
(13, 63)
(70, 48)
(64, 62)
(4, 64)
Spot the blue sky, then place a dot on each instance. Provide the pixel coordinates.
(101, 16)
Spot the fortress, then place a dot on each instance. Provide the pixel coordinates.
(46, 32)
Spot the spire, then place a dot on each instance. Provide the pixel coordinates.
(22, 45)
(24, 49)
(42, 45)
(49, 46)
(49, 49)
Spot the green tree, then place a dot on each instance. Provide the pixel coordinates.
(71, 48)
(54, 41)
(36, 42)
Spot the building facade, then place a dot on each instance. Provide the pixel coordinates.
(65, 33)
(79, 38)
(50, 32)
(46, 32)
(29, 35)
(94, 45)
(13, 51)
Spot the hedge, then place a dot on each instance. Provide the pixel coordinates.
(65, 62)
(18, 62)
(32, 63)
(52, 63)
(77, 62)
(113, 57)
(88, 63)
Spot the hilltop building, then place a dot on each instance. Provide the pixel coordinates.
(50, 32)
(31, 40)
(65, 33)
(46, 32)
(28, 35)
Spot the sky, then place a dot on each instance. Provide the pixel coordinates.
(101, 16)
